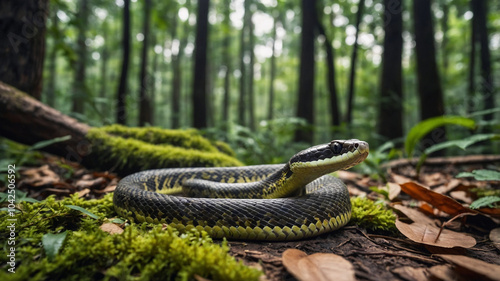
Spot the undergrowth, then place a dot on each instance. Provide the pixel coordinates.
(141, 252)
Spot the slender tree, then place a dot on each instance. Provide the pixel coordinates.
(242, 106)
(472, 63)
(429, 85)
(305, 104)
(272, 71)
(390, 120)
(479, 9)
(79, 85)
(145, 114)
(199, 98)
(330, 76)
(121, 113)
(52, 61)
(251, 94)
(22, 47)
(104, 68)
(175, 110)
(354, 56)
(226, 60)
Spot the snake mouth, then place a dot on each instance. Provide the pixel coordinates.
(336, 155)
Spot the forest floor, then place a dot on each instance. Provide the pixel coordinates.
(371, 255)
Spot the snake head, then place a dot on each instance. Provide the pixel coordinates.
(326, 158)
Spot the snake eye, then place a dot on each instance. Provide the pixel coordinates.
(336, 147)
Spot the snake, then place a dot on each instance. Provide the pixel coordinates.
(277, 202)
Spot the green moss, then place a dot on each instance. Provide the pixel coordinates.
(371, 215)
(132, 149)
(141, 252)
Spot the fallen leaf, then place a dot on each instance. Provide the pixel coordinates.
(415, 215)
(394, 190)
(473, 269)
(317, 267)
(91, 183)
(461, 195)
(495, 237)
(412, 273)
(111, 228)
(443, 272)
(427, 234)
(440, 201)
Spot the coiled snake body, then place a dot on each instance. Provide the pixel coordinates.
(255, 203)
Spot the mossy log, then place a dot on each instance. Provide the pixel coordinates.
(118, 148)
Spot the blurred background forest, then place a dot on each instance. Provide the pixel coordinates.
(268, 75)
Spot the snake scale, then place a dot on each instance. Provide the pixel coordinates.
(289, 201)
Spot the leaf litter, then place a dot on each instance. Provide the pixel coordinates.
(424, 203)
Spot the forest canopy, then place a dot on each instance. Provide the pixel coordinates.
(307, 72)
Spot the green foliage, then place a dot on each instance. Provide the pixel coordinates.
(270, 143)
(483, 202)
(141, 252)
(423, 128)
(371, 215)
(78, 208)
(152, 148)
(481, 175)
(462, 143)
(52, 243)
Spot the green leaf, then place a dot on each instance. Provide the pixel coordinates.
(481, 175)
(52, 243)
(423, 128)
(78, 208)
(45, 143)
(463, 143)
(483, 202)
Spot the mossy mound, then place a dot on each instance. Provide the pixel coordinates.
(141, 252)
(129, 150)
(371, 215)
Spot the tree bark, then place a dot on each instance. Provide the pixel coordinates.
(305, 104)
(354, 56)
(79, 87)
(429, 85)
(226, 62)
(52, 61)
(242, 108)
(121, 113)
(200, 67)
(251, 89)
(330, 76)
(487, 86)
(471, 90)
(39, 122)
(272, 72)
(391, 91)
(103, 108)
(22, 50)
(145, 113)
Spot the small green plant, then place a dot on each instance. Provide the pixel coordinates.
(371, 215)
(486, 202)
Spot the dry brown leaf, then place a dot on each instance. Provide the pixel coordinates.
(40, 176)
(415, 215)
(473, 269)
(443, 272)
(440, 201)
(427, 234)
(495, 237)
(317, 267)
(394, 190)
(91, 183)
(111, 228)
(461, 196)
(445, 188)
(412, 273)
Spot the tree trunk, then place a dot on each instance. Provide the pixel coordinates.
(330, 76)
(354, 56)
(145, 112)
(251, 91)
(22, 51)
(242, 108)
(176, 79)
(272, 72)
(52, 60)
(226, 62)
(200, 67)
(305, 103)
(471, 91)
(121, 113)
(487, 86)
(79, 87)
(429, 85)
(103, 107)
(391, 93)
